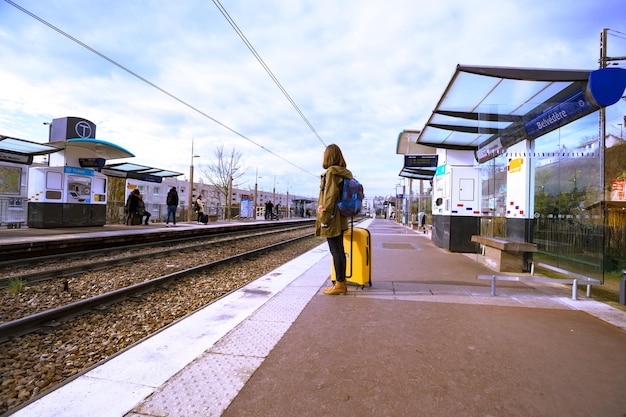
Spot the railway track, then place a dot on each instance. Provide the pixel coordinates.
(34, 322)
(42, 268)
(33, 363)
(26, 249)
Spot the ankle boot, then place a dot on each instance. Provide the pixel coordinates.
(337, 288)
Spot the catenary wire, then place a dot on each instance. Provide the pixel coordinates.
(264, 65)
(136, 75)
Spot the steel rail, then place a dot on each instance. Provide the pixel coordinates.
(165, 240)
(34, 322)
(68, 271)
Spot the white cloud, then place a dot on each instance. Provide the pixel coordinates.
(360, 71)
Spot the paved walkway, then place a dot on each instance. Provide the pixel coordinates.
(427, 339)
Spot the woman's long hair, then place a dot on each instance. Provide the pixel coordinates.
(333, 156)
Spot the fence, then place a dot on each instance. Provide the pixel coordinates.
(12, 212)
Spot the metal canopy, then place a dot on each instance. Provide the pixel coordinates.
(102, 148)
(22, 151)
(418, 173)
(487, 109)
(139, 172)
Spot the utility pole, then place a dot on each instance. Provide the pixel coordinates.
(602, 142)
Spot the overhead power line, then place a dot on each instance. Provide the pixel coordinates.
(151, 84)
(264, 65)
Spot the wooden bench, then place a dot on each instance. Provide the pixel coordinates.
(573, 282)
(505, 255)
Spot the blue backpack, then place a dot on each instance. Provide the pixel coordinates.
(351, 198)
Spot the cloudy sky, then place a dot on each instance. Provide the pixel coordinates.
(359, 71)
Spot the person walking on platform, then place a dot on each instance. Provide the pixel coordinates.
(172, 204)
(199, 207)
(132, 206)
(141, 210)
(329, 222)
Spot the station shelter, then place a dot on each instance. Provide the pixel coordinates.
(72, 188)
(302, 207)
(517, 154)
(125, 177)
(16, 156)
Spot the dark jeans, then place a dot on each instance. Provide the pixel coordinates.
(171, 212)
(339, 256)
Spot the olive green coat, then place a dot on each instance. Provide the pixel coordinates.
(330, 190)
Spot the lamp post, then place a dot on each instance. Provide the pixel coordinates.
(274, 192)
(256, 189)
(190, 192)
(274, 199)
(229, 202)
(287, 203)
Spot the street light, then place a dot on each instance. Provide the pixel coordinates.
(256, 188)
(288, 208)
(190, 192)
(274, 192)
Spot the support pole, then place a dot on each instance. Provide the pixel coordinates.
(493, 285)
(622, 289)
(575, 290)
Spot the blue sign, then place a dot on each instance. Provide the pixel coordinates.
(558, 114)
(78, 171)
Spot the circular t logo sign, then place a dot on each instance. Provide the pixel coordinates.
(83, 129)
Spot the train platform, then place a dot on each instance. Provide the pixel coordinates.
(46, 242)
(426, 339)
(33, 235)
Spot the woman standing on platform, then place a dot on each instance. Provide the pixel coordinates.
(199, 206)
(329, 222)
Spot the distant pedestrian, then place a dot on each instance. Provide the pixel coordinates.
(277, 210)
(172, 204)
(199, 208)
(132, 205)
(268, 209)
(141, 210)
(329, 222)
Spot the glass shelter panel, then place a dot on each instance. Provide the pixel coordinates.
(493, 197)
(568, 195)
(565, 194)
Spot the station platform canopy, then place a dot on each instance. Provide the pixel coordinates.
(22, 151)
(420, 161)
(138, 172)
(488, 109)
(102, 148)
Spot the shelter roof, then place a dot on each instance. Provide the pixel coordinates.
(487, 109)
(22, 151)
(102, 148)
(139, 172)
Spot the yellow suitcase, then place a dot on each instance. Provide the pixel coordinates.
(357, 246)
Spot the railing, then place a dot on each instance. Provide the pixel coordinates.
(12, 212)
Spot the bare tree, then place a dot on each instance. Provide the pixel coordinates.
(225, 169)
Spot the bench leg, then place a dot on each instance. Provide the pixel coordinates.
(493, 285)
(588, 291)
(575, 290)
